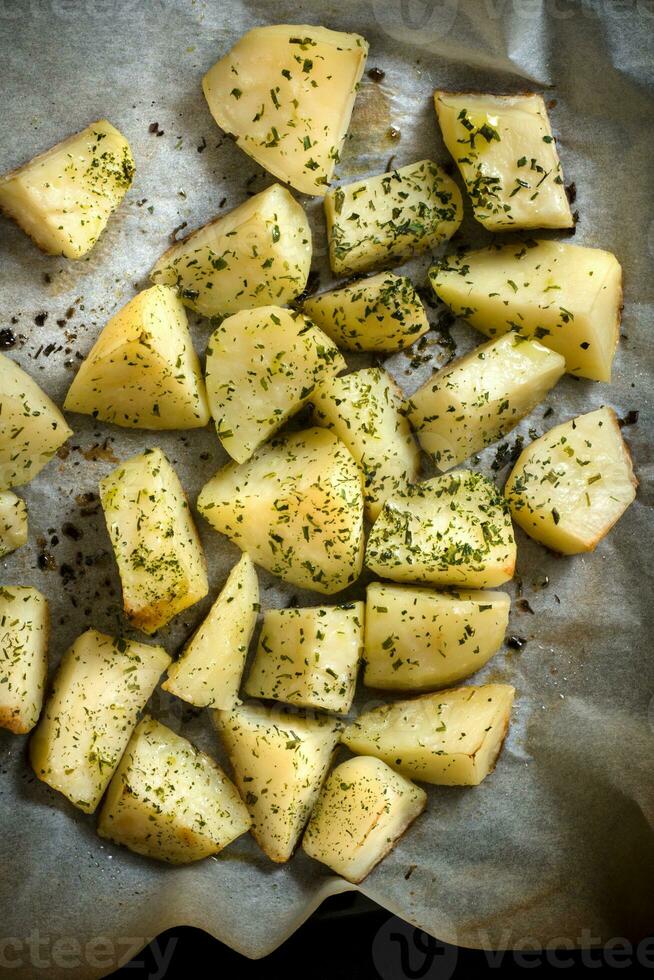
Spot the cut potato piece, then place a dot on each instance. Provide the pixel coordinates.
(504, 148)
(100, 687)
(472, 403)
(363, 809)
(382, 313)
(569, 487)
(296, 507)
(262, 366)
(13, 522)
(24, 629)
(309, 657)
(280, 762)
(452, 530)
(64, 197)
(364, 409)
(169, 801)
(257, 254)
(417, 639)
(142, 371)
(566, 296)
(210, 667)
(157, 548)
(32, 428)
(286, 92)
(386, 219)
(452, 737)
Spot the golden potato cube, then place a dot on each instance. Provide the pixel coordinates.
(286, 92)
(142, 371)
(160, 559)
(209, 669)
(263, 366)
(569, 487)
(99, 689)
(567, 297)
(309, 657)
(418, 639)
(13, 522)
(24, 631)
(32, 428)
(169, 801)
(363, 809)
(470, 404)
(256, 255)
(452, 738)
(64, 197)
(386, 219)
(504, 148)
(452, 530)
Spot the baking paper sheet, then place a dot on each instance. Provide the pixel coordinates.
(557, 845)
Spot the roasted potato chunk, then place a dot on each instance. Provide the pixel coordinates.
(386, 219)
(569, 487)
(418, 639)
(142, 371)
(100, 687)
(64, 197)
(473, 402)
(452, 530)
(210, 667)
(24, 630)
(280, 762)
(157, 548)
(13, 522)
(382, 313)
(169, 801)
(262, 366)
(256, 255)
(286, 93)
(363, 809)
(32, 428)
(504, 148)
(452, 737)
(309, 657)
(296, 507)
(567, 297)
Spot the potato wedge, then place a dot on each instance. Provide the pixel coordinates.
(418, 639)
(382, 313)
(473, 402)
(286, 92)
(99, 689)
(452, 737)
(386, 219)
(569, 487)
(365, 410)
(209, 670)
(567, 297)
(169, 801)
(363, 809)
(309, 657)
(452, 530)
(504, 148)
(256, 255)
(142, 371)
(280, 761)
(31, 426)
(157, 548)
(296, 507)
(64, 197)
(24, 630)
(13, 522)
(262, 366)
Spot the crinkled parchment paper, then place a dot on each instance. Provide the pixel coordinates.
(557, 845)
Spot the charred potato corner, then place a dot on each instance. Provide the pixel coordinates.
(336, 473)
